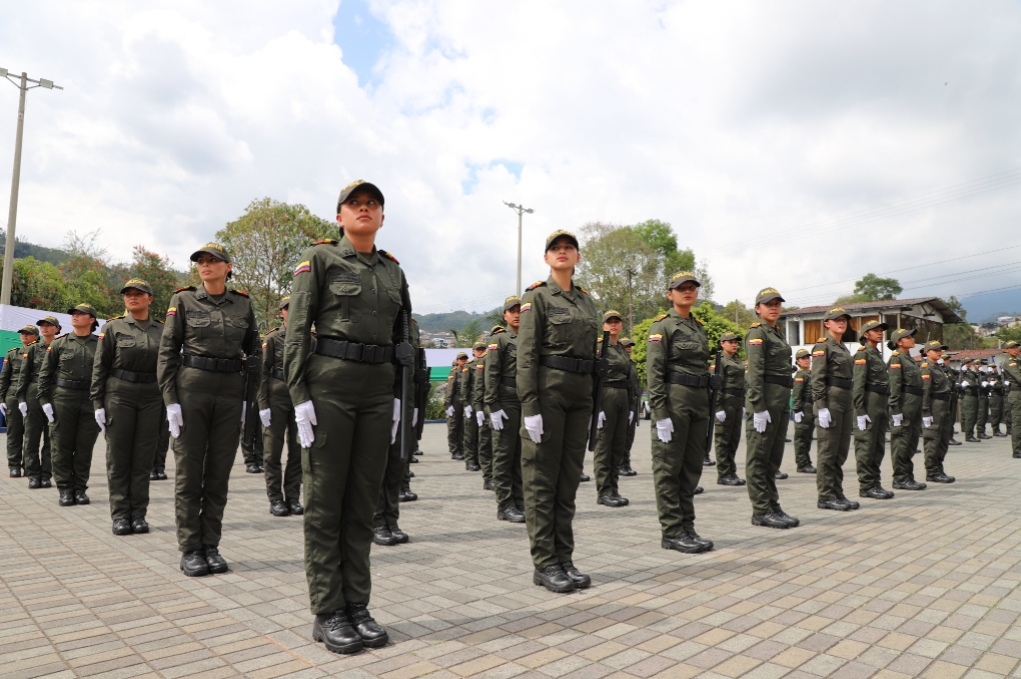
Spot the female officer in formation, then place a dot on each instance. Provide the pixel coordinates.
(505, 414)
(64, 383)
(615, 416)
(677, 366)
(729, 410)
(129, 406)
(804, 411)
(37, 468)
(208, 331)
(13, 418)
(832, 373)
(872, 411)
(768, 397)
(344, 406)
(937, 420)
(905, 409)
(556, 360)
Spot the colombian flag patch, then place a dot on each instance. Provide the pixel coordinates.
(819, 353)
(860, 361)
(304, 267)
(925, 377)
(527, 306)
(494, 347)
(799, 379)
(755, 342)
(102, 335)
(895, 366)
(172, 311)
(655, 338)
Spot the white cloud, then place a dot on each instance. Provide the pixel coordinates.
(731, 121)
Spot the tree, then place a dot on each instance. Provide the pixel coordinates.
(88, 275)
(620, 270)
(739, 313)
(660, 237)
(469, 334)
(872, 288)
(959, 335)
(264, 244)
(155, 270)
(37, 285)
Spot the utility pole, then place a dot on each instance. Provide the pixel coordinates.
(22, 84)
(519, 209)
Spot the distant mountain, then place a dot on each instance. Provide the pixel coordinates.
(983, 308)
(22, 249)
(444, 322)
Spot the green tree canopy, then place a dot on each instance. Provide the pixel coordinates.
(155, 269)
(872, 288)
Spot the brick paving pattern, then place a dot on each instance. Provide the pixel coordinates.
(925, 585)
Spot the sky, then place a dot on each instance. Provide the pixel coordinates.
(797, 145)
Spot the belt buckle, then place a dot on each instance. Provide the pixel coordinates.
(369, 353)
(221, 365)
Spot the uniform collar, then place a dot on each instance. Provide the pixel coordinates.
(348, 250)
(201, 293)
(673, 314)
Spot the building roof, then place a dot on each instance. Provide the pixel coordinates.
(973, 354)
(948, 315)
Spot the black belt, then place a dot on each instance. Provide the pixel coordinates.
(585, 366)
(837, 382)
(132, 376)
(917, 391)
(878, 388)
(80, 385)
(278, 373)
(688, 380)
(353, 351)
(782, 380)
(942, 396)
(220, 365)
(734, 392)
(619, 384)
(509, 382)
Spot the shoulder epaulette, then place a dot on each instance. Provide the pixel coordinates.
(754, 325)
(924, 364)
(896, 353)
(582, 289)
(271, 330)
(241, 292)
(61, 335)
(116, 318)
(325, 241)
(189, 288)
(661, 317)
(599, 340)
(497, 331)
(698, 321)
(388, 255)
(158, 321)
(821, 339)
(535, 285)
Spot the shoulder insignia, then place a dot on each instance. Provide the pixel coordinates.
(755, 342)
(754, 325)
(172, 311)
(159, 321)
(821, 339)
(464, 369)
(388, 255)
(480, 366)
(698, 321)
(660, 318)
(582, 289)
(241, 292)
(535, 285)
(925, 365)
(656, 337)
(303, 267)
(188, 288)
(325, 241)
(599, 340)
(896, 353)
(61, 335)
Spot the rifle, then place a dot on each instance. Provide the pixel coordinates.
(715, 382)
(602, 368)
(251, 391)
(421, 393)
(405, 355)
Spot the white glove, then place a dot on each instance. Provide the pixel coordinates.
(721, 415)
(798, 416)
(414, 417)
(939, 361)
(742, 413)
(898, 419)
(630, 416)
(964, 383)
(533, 425)
(602, 419)
(101, 418)
(266, 416)
(497, 418)
(467, 411)
(863, 420)
(3, 409)
(927, 421)
(480, 417)
(1006, 383)
(174, 419)
(23, 407)
(985, 384)
(397, 420)
(450, 411)
(244, 412)
(760, 420)
(824, 418)
(48, 410)
(305, 417)
(665, 429)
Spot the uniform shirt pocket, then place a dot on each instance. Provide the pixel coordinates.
(198, 319)
(125, 341)
(345, 285)
(558, 323)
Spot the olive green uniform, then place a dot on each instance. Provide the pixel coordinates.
(281, 483)
(388, 507)
(801, 397)
(465, 387)
(936, 404)
(871, 397)
(768, 383)
(65, 379)
(9, 376)
(159, 461)
(832, 372)
(556, 357)
(727, 435)
(636, 408)
(982, 416)
(253, 451)
(356, 303)
(124, 383)
(36, 424)
(677, 365)
(611, 438)
(969, 405)
(995, 403)
(1012, 385)
(214, 333)
(906, 391)
(455, 421)
(501, 394)
(478, 402)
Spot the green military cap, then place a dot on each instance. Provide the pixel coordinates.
(560, 233)
(803, 353)
(728, 337)
(511, 302)
(768, 295)
(137, 284)
(612, 314)
(286, 302)
(1011, 345)
(359, 185)
(84, 308)
(52, 320)
(872, 325)
(683, 277)
(214, 249)
(29, 330)
(836, 312)
(462, 355)
(627, 342)
(901, 333)
(479, 345)
(934, 345)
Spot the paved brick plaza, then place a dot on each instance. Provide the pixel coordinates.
(922, 585)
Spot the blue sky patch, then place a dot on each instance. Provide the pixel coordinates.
(362, 38)
(468, 184)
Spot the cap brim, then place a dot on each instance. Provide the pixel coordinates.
(134, 287)
(364, 186)
(682, 281)
(28, 332)
(770, 298)
(607, 319)
(571, 239)
(219, 255)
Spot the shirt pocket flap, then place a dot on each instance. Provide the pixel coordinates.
(197, 319)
